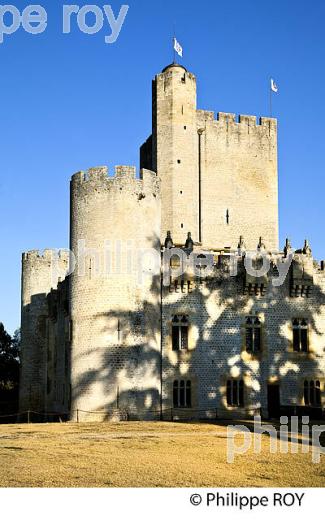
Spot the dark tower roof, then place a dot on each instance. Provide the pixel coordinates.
(174, 65)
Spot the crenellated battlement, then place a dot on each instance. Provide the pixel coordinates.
(46, 255)
(174, 70)
(125, 171)
(205, 115)
(125, 177)
(243, 119)
(225, 117)
(102, 172)
(99, 172)
(41, 272)
(237, 121)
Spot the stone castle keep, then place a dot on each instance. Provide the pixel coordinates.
(119, 343)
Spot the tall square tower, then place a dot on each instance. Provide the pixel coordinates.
(219, 176)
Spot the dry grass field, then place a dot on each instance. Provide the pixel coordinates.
(138, 454)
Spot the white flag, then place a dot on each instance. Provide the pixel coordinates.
(274, 86)
(178, 48)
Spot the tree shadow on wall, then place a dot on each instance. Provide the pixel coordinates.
(218, 309)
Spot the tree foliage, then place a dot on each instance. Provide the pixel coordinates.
(9, 359)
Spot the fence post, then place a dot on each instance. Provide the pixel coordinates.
(28, 416)
(77, 415)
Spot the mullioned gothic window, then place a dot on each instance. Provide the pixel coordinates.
(300, 335)
(180, 332)
(182, 394)
(235, 393)
(253, 335)
(312, 393)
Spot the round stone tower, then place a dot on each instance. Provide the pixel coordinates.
(115, 293)
(41, 272)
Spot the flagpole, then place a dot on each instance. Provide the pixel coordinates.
(270, 98)
(174, 50)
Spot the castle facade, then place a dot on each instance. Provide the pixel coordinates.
(161, 310)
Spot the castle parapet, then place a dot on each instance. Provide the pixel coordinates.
(126, 171)
(247, 120)
(204, 115)
(48, 255)
(268, 121)
(99, 172)
(42, 270)
(224, 117)
(125, 177)
(237, 121)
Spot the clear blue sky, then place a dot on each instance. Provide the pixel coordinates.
(69, 102)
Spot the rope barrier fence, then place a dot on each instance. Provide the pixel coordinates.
(123, 414)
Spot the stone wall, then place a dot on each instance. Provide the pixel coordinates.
(58, 350)
(217, 309)
(239, 180)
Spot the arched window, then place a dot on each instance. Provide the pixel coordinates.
(182, 394)
(180, 332)
(201, 262)
(175, 262)
(253, 334)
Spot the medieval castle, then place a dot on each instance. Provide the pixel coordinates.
(119, 342)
